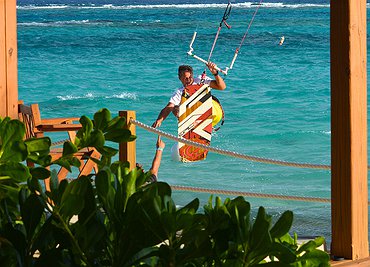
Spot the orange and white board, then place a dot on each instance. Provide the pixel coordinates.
(195, 121)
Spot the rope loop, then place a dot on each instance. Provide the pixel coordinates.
(226, 15)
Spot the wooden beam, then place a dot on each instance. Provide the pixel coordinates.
(349, 189)
(348, 263)
(8, 59)
(2, 60)
(127, 151)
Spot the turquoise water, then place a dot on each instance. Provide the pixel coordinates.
(76, 59)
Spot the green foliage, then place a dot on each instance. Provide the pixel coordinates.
(115, 218)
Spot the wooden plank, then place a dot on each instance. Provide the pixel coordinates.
(2, 61)
(12, 58)
(59, 120)
(58, 127)
(8, 59)
(127, 151)
(348, 263)
(349, 129)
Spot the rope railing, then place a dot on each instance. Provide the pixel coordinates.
(248, 194)
(58, 143)
(228, 152)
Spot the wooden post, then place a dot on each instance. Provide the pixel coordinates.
(349, 189)
(8, 59)
(127, 151)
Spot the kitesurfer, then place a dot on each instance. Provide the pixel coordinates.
(282, 38)
(185, 74)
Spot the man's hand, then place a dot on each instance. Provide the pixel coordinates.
(175, 111)
(163, 115)
(212, 68)
(157, 123)
(218, 83)
(160, 143)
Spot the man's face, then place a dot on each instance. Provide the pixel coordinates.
(186, 78)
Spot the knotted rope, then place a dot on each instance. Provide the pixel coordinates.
(58, 143)
(228, 152)
(248, 194)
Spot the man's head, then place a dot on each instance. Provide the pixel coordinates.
(186, 75)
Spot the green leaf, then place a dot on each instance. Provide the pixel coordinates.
(283, 225)
(23, 195)
(316, 258)
(83, 134)
(16, 153)
(54, 182)
(128, 186)
(40, 173)
(17, 171)
(260, 239)
(13, 131)
(283, 253)
(87, 124)
(191, 207)
(31, 210)
(90, 208)
(34, 185)
(119, 136)
(15, 236)
(38, 150)
(116, 123)
(311, 245)
(41, 144)
(64, 162)
(8, 254)
(102, 183)
(11, 192)
(96, 139)
(61, 189)
(108, 151)
(120, 169)
(101, 119)
(69, 148)
(73, 200)
(143, 254)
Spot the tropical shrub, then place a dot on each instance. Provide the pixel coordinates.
(117, 218)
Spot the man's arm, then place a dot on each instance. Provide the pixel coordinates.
(158, 156)
(163, 114)
(218, 83)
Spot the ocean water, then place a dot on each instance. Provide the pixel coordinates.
(76, 57)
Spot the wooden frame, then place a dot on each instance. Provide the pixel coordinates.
(349, 188)
(8, 59)
(36, 127)
(127, 151)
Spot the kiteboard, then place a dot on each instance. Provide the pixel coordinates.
(195, 121)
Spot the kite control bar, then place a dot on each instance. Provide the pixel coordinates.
(190, 53)
(224, 18)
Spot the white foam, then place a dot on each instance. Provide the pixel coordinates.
(183, 6)
(72, 97)
(39, 24)
(62, 23)
(124, 95)
(44, 7)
